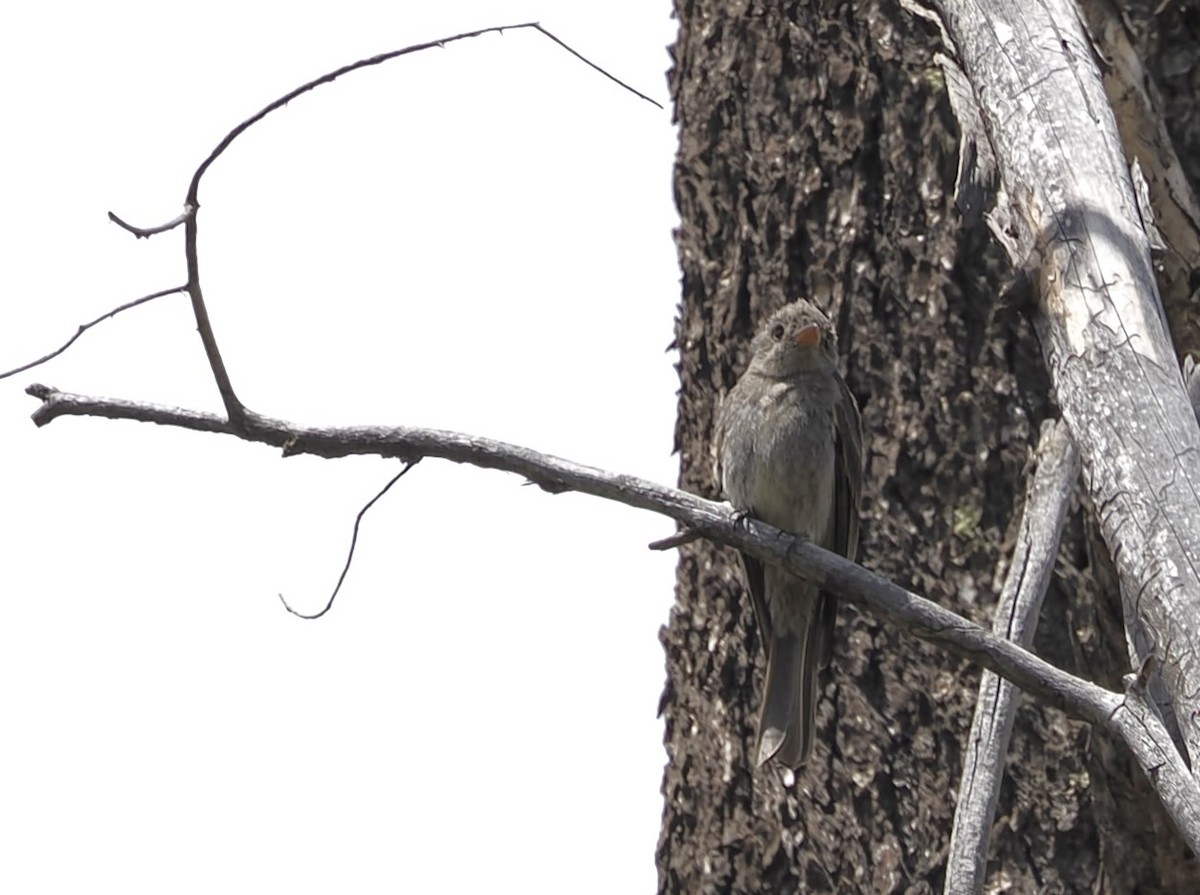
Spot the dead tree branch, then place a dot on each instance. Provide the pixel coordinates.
(147, 232)
(1144, 735)
(84, 327)
(1068, 213)
(1046, 501)
(234, 408)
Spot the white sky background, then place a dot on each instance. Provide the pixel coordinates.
(476, 238)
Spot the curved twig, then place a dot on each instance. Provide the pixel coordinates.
(86, 326)
(234, 408)
(147, 232)
(353, 545)
(329, 77)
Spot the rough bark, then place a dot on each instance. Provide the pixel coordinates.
(817, 157)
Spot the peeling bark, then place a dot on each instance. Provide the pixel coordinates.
(1103, 331)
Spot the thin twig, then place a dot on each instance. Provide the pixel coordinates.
(1046, 502)
(147, 232)
(1144, 735)
(86, 326)
(676, 540)
(329, 77)
(353, 544)
(583, 58)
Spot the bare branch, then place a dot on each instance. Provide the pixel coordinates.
(1144, 734)
(86, 326)
(332, 76)
(236, 410)
(1143, 731)
(353, 544)
(1046, 503)
(147, 232)
(716, 521)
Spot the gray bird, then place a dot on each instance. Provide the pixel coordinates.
(789, 452)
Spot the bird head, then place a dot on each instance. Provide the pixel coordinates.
(797, 338)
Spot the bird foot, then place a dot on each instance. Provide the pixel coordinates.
(740, 517)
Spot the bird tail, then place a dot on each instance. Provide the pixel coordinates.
(788, 720)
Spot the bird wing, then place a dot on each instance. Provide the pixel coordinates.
(847, 493)
(848, 459)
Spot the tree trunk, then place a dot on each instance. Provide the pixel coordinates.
(817, 157)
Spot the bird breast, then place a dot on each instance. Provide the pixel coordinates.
(789, 477)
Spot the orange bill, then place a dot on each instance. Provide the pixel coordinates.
(808, 337)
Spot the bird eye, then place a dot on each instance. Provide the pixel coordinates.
(777, 331)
